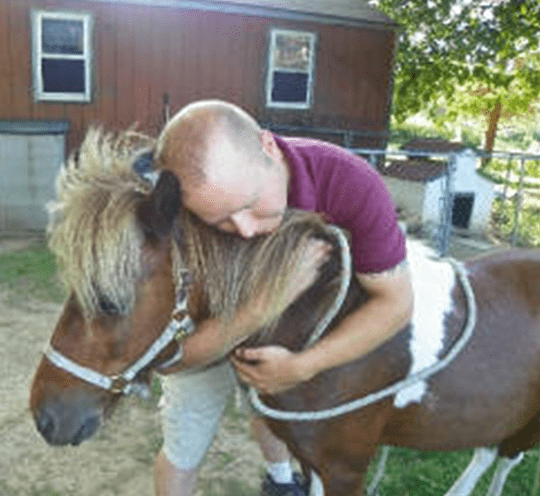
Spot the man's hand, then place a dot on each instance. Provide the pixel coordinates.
(270, 369)
(389, 308)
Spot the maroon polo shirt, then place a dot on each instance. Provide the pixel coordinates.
(328, 179)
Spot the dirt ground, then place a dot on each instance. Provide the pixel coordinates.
(118, 460)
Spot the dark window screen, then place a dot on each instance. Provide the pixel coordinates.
(63, 76)
(290, 87)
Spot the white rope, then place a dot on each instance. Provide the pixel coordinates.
(346, 264)
(409, 381)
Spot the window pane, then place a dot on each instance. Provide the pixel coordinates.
(290, 87)
(292, 51)
(63, 76)
(62, 36)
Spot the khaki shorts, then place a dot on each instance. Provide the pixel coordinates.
(192, 407)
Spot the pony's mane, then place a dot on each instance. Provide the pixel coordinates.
(235, 273)
(94, 234)
(92, 230)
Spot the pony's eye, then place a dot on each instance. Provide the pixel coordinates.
(108, 307)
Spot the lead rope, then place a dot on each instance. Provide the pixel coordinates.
(346, 264)
(395, 388)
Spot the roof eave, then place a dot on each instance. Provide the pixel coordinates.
(263, 11)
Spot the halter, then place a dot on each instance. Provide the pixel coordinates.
(179, 327)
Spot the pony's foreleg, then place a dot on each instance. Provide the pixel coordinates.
(372, 489)
(504, 466)
(316, 488)
(482, 459)
(339, 479)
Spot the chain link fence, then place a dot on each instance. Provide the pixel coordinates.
(475, 195)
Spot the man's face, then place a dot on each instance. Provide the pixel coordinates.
(243, 199)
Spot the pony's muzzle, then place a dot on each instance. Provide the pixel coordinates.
(61, 424)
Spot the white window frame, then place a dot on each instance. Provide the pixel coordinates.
(274, 33)
(40, 94)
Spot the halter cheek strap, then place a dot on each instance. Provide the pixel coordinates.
(179, 327)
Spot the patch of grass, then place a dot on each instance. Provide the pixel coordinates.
(417, 473)
(221, 487)
(499, 178)
(148, 453)
(407, 131)
(31, 271)
(503, 215)
(5, 490)
(223, 459)
(47, 490)
(237, 407)
(156, 390)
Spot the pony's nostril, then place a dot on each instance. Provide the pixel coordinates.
(87, 429)
(45, 424)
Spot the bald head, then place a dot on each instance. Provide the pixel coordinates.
(203, 134)
(233, 174)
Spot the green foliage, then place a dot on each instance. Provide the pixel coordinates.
(514, 89)
(515, 138)
(470, 54)
(503, 217)
(402, 132)
(471, 137)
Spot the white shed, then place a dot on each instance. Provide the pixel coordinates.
(31, 153)
(418, 186)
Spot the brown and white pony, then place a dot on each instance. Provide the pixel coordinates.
(122, 246)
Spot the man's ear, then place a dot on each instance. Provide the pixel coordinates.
(268, 142)
(157, 212)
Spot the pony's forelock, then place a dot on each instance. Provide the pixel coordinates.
(92, 229)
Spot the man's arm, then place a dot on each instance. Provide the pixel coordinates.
(387, 311)
(214, 339)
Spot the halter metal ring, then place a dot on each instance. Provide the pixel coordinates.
(119, 384)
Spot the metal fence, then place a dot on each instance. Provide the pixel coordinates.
(512, 210)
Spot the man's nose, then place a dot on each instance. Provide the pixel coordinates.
(246, 225)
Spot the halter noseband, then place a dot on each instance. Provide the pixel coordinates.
(179, 327)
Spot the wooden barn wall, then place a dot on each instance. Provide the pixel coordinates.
(143, 52)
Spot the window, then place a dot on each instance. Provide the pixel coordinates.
(290, 69)
(62, 56)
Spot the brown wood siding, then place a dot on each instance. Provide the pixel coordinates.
(142, 53)
(5, 58)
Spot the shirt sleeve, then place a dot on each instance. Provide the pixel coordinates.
(359, 202)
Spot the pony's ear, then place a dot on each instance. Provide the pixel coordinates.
(157, 212)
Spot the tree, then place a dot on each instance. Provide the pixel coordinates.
(472, 55)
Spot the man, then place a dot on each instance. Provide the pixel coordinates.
(240, 179)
